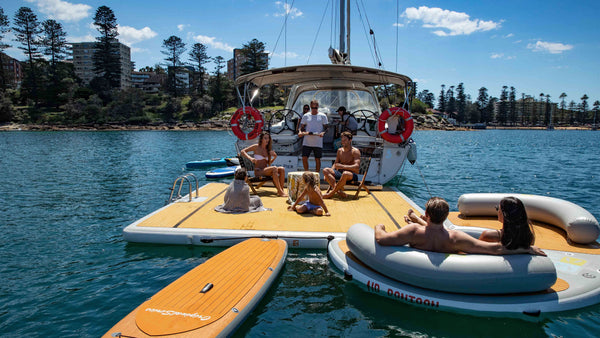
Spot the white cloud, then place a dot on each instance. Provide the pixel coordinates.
(550, 47)
(450, 22)
(129, 35)
(497, 56)
(397, 24)
(509, 35)
(62, 10)
(207, 40)
(182, 27)
(288, 10)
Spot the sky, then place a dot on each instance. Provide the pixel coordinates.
(536, 46)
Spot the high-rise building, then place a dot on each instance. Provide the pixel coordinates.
(84, 65)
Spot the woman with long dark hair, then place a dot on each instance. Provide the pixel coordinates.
(263, 157)
(516, 229)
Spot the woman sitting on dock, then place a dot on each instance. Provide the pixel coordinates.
(263, 157)
(516, 229)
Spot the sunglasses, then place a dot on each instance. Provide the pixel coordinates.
(314, 107)
(497, 207)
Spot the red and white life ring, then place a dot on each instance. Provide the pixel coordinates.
(258, 123)
(409, 125)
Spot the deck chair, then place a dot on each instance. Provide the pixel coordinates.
(255, 182)
(365, 162)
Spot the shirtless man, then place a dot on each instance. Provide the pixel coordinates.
(345, 168)
(428, 233)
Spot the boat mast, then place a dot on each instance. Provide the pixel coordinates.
(342, 56)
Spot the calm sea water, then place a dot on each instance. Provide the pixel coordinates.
(66, 196)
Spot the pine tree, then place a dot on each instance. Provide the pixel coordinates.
(27, 30)
(173, 48)
(106, 57)
(482, 103)
(3, 30)
(442, 99)
(255, 57)
(512, 105)
(199, 56)
(461, 102)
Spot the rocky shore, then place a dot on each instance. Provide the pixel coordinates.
(422, 122)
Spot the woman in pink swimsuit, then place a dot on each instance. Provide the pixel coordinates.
(263, 157)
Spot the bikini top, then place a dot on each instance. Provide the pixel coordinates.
(259, 157)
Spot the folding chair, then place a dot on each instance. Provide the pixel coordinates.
(255, 182)
(365, 162)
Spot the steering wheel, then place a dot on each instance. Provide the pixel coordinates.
(287, 117)
(361, 116)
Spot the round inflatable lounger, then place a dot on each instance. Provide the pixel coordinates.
(581, 226)
(458, 273)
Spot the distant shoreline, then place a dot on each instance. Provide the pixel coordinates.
(217, 125)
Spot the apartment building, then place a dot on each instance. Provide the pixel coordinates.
(84, 64)
(12, 71)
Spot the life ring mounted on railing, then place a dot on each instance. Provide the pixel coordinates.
(402, 133)
(238, 119)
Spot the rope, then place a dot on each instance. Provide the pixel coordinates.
(317, 35)
(424, 182)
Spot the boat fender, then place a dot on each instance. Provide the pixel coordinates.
(581, 226)
(237, 129)
(396, 137)
(412, 152)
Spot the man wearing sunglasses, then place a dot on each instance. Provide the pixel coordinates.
(312, 128)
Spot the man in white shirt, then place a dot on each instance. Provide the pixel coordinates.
(312, 128)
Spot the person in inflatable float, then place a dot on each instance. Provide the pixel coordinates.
(516, 229)
(428, 233)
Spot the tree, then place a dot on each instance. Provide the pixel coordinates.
(461, 102)
(450, 101)
(220, 88)
(54, 45)
(512, 105)
(27, 30)
(584, 106)
(482, 102)
(503, 106)
(200, 58)
(173, 48)
(426, 97)
(3, 30)
(106, 57)
(562, 106)
(596, 109)
(442, 99)
(255, 58)
(549, 118)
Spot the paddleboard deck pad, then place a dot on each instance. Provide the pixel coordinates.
(221, 172)
(212, 299)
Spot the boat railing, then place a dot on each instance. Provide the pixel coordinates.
(181, 179)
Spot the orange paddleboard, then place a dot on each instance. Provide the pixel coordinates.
(212, 299)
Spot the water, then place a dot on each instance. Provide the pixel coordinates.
(66, 196)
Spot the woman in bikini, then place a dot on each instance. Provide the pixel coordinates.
(516, 229)
(263, 157)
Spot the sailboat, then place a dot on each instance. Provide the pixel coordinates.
(383, 134)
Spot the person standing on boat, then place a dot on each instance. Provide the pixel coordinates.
(428, 233)
(312, 128)
(264, 155)
(344, 169)
(516, 229)
(237, 196)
